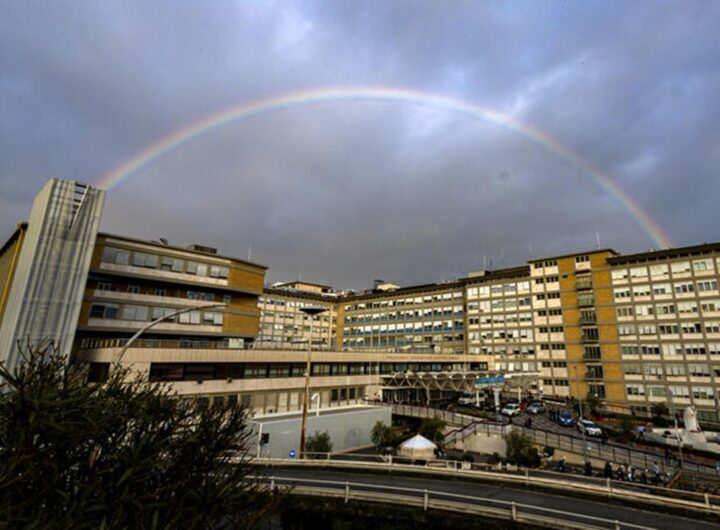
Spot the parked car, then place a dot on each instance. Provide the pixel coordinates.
(565, 419)
(510, 409)
(467, 399)
(535, 408)
(588, 427)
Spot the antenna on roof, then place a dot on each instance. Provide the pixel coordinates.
(597, 239)
(164, 241)
(249, 252)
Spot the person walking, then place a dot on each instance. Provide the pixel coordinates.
(607, 470)
(588, 468)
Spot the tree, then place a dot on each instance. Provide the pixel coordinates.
(319, 443)
(658, 411)
(521, 451)
(383, 437)
(119, 454)
(432, 429)
(593, 404)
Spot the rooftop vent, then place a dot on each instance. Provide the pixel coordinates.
(204, 249)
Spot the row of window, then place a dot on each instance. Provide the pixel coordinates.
(143, 313)
(119, 256)
(405, 315)
(427, 299)
(671, 350)
(674, 391)
(661, 370)
(666, 289)
(663, 270)
(689, 328)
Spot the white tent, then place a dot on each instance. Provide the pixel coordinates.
(417, 447)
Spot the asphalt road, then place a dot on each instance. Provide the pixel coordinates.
(533, 498)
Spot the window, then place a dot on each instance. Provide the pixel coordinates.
(104, 286)
(135, 312)
(171, 264)
(141, 259)
(115, 256)
(702, 265)
(684, 287)
(638, 272)
(158, 312)
(635, 390)
(218, 272)
(680, 267)
(191, 317)
(710, 285)
(135, 289)
(676, 370)
(659, 271)
(109, 311)
(582, 259)
(619, 274)
(632, 369)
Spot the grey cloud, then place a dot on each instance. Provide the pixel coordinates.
(347, 191)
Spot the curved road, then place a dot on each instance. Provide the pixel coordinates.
(534, 498)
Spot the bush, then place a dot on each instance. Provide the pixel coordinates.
(521, 451)
(432, 429)
(319, 443)
(383, 437)
(118, 454)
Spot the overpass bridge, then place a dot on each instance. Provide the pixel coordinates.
(539, 498)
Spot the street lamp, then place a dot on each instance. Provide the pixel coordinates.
(311, 312)
(575, 369)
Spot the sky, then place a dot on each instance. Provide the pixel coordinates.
(347, 190)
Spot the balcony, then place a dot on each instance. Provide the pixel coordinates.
(585, 320)
(586, 301)
(592, 357)
(583, 283)
(586, 339)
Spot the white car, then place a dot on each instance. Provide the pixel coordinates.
(511, 409)
(589, 428)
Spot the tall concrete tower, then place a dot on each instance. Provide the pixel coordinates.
(44, 267)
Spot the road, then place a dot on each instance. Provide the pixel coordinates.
(593, 508)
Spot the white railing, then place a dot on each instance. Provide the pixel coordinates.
(431, 499)
(645, 493)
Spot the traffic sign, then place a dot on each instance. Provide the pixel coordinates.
(292, 453)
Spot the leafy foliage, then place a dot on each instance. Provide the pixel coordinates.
(120, 454)
(521, 451)
(383, 437)
(593, 404)
(319, 443)
(432, 429)
(658, 410)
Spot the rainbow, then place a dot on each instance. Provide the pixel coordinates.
(245, 110)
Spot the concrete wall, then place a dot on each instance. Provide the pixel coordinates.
(348, 428)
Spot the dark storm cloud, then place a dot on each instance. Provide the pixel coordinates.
(346, 191)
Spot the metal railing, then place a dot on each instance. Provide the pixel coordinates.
(610, 452)
(565, 481)
(440, 500)
(598, 449)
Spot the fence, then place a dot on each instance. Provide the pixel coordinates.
(440, 500)
(592, 447)
(654, 495)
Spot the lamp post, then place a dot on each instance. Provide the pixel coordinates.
(152, 324)
(311, 312)
(575, 369)
(677, 431)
